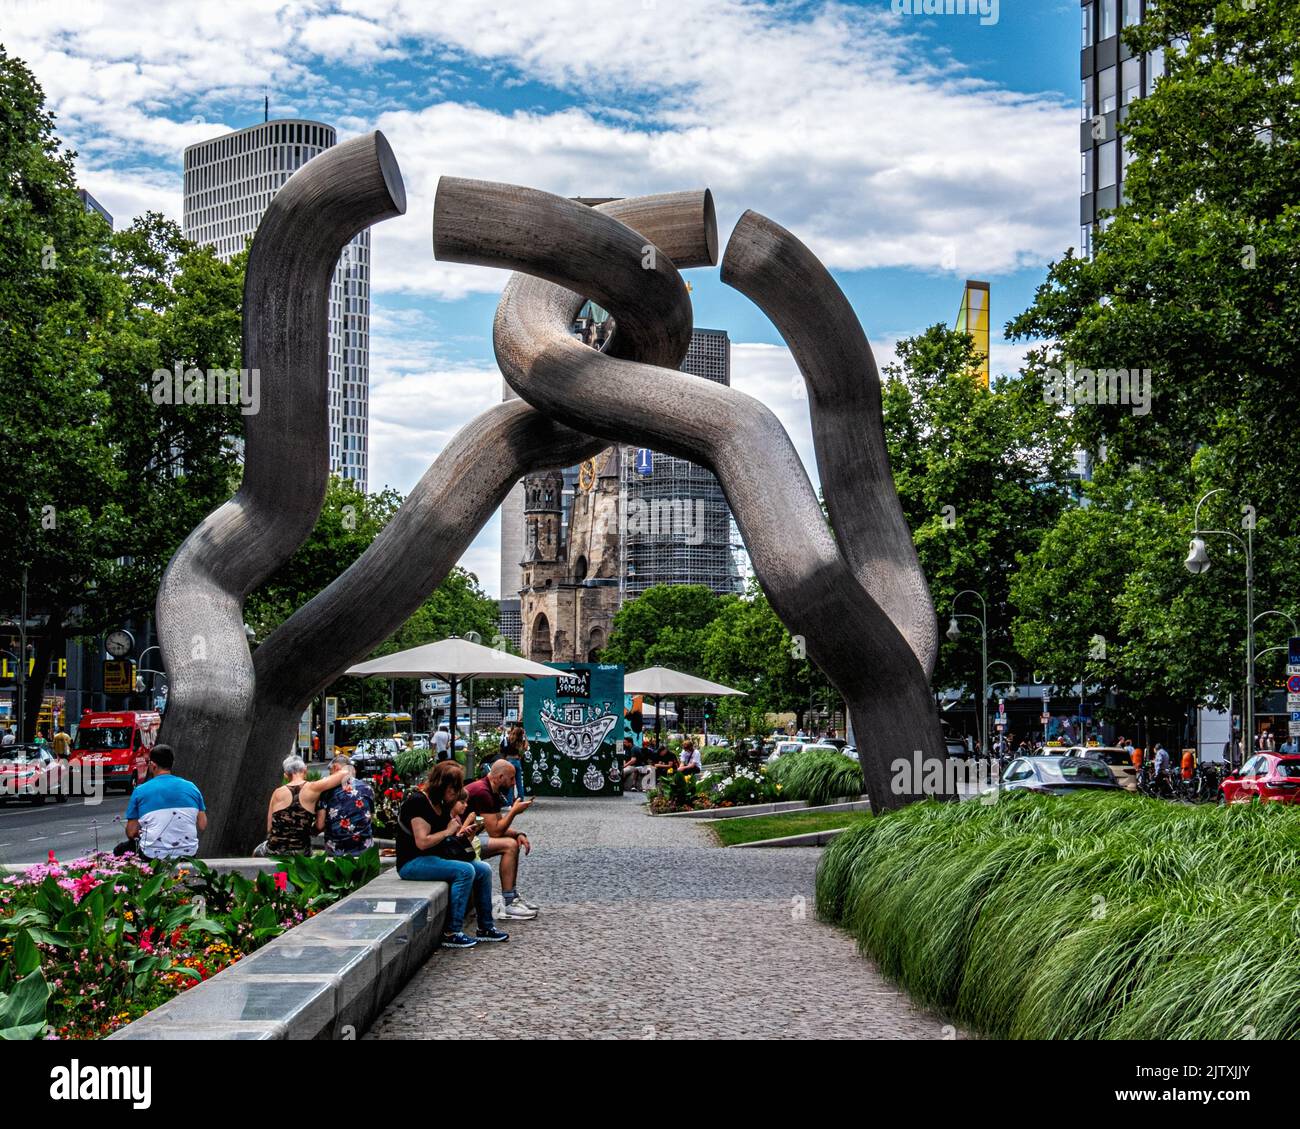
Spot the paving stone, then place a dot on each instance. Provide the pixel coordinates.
(649, 931)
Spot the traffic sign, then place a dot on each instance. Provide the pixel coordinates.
(645, 464)
(1293, 650)
(1293, 668)
(1293, 684)
(1293, 728)
(1044, 717)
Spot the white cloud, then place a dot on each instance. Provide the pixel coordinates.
(827, 120)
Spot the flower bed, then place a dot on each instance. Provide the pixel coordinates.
(90, 945)
(684, 791)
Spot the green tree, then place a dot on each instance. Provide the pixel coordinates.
(663, 626)
(747, 647)
(1194, 281)
(349, 521)
(97, 486)
(980, 474)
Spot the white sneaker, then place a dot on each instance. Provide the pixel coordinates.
(520, 900)
(517, 911)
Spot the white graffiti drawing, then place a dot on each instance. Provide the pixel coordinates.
(592, 779)
(579, 742)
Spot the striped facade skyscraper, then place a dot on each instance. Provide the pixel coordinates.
(229, 182)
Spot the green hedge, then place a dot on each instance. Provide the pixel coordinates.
(816, 775)
(1081, 917)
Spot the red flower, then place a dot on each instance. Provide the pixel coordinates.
(52, 858)
(281, 879)
(345, 825)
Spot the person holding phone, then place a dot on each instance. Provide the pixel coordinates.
(431, 846)
(487, 798)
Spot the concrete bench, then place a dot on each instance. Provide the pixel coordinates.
(328, 978)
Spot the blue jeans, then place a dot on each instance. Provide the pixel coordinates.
(520, 792)
(462, 876)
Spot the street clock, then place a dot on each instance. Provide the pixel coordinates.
(119, 643)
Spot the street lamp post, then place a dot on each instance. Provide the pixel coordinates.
(1198, 562)
(954, 632)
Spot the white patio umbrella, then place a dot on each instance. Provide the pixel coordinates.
(452, 660)
(662, 682)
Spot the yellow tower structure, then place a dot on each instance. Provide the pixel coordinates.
(973, 318)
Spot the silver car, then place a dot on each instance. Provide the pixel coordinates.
(1058, 775)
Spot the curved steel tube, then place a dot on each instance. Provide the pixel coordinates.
(454, 499)
(789, 283)
(812, 587)
(286, 458)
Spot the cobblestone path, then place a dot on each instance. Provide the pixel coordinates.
(649, 931)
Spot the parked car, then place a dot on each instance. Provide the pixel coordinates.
(1055, 775)
(373, 754)
(1270, 778)
(953, 744)
(783, 749)
(32, 772)
(1119, 761)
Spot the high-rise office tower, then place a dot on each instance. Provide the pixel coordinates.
(92, 205)
(229, 182)
(1113, 79)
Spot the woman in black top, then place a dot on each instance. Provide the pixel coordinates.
(426, 832)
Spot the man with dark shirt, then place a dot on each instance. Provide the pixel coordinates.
(634, 770)
(486, 798)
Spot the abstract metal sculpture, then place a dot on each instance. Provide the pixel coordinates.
(863, 609)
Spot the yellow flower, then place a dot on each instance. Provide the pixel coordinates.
(778, 787)
(688, 779)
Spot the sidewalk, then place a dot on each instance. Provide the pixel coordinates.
(647, 931)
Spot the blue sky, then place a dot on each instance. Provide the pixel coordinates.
(909, 151)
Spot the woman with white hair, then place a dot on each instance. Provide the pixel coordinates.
(291, 817)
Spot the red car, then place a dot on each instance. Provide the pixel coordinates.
(1267, 777)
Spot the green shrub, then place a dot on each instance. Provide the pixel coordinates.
(412, 764)
(89, 945)
(715, 754)
(817, 775)
(1081, 917)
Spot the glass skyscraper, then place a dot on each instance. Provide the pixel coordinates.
(229, 182)
(1113, 79)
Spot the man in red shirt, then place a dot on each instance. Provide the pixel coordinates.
(486, 801)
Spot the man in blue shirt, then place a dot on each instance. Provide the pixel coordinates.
(166, 815)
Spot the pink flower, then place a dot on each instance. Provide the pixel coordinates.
(281, 879)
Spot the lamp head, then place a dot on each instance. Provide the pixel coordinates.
(1198, 560)
(954, 632)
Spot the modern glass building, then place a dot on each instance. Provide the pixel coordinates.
(1113, 79)
(229, 182)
